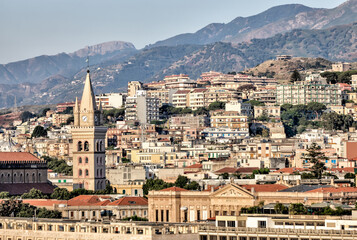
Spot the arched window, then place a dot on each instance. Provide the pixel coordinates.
(87, 172)
(2, 178)
(101, 162)
(101, 173)
(86, 160)
(21, 178)
(27, 178)
(79, 146)
(8, 178)
(33, 177)
(97, 147)
(15, 175)
(123, 191)
(86, 146)
(97, 172)
(79, 160)
(101, 146)
(39, 177)
(80, 172)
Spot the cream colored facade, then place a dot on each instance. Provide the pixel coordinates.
(88, 142)
(191, 206)
(133, 87)
(50, 229)
(229, 120)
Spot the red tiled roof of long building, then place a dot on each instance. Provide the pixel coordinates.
(44, 202)
(83, 200)
(130, 201)
(265, 187)
(227, 170)
(174, 189)
(18, 157)
(334, 189)
(197, 165)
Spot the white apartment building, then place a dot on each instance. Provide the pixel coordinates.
(110, 100)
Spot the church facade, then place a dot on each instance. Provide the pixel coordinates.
(88, 142)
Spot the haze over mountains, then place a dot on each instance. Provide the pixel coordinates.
(244, 42)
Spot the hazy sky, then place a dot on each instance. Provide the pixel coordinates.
(34, 27)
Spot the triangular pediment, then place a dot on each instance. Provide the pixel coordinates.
(234, 191)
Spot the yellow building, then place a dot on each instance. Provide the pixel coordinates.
(229, 120)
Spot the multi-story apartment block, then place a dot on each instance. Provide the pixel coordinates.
(341, 67)
(354, 81)
(229, 120)
(142, 108)
(265, 95)
(133, 87)
(165, 96)
(110, 100)
(314, 89)
(270, 111)
(221, 95)
(197, 98)
(189, 121)
(180, 99)
(240, 107)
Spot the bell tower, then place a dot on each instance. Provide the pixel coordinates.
(88, 142)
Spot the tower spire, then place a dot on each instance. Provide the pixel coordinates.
(88, 99)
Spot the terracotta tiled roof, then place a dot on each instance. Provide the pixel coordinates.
(197, 165)
(347, 169)
(290, 170)
(18, 157)
(226, 170)
(334, 189)
(174, 189)
(130, 201)
(85, 200)
(265, 187)
(182, 92)
(44, 202)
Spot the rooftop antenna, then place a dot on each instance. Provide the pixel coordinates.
(87, 60)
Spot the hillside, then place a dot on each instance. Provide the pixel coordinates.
(279, 19)
(36, 69)
(282, 69)
(334, 44)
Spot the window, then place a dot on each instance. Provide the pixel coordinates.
(79, 146)
(87, 172)
(86, 161)
(86, 146)
(79, 160)
(80, 172)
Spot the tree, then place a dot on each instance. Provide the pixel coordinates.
(295, 76)
(192, 186)
(297, 208)
(4, 195)
(181, 181)
(201, 111)
(279, 208)
(155, 184)
(61, 194)
(265, 133)
(317, 158)
(255, 103)
(216, 105)
(246, 87)
(350, 176)
(25, 116)
(317, 108)
(33, 194)
(39, 131)
(44, 111)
